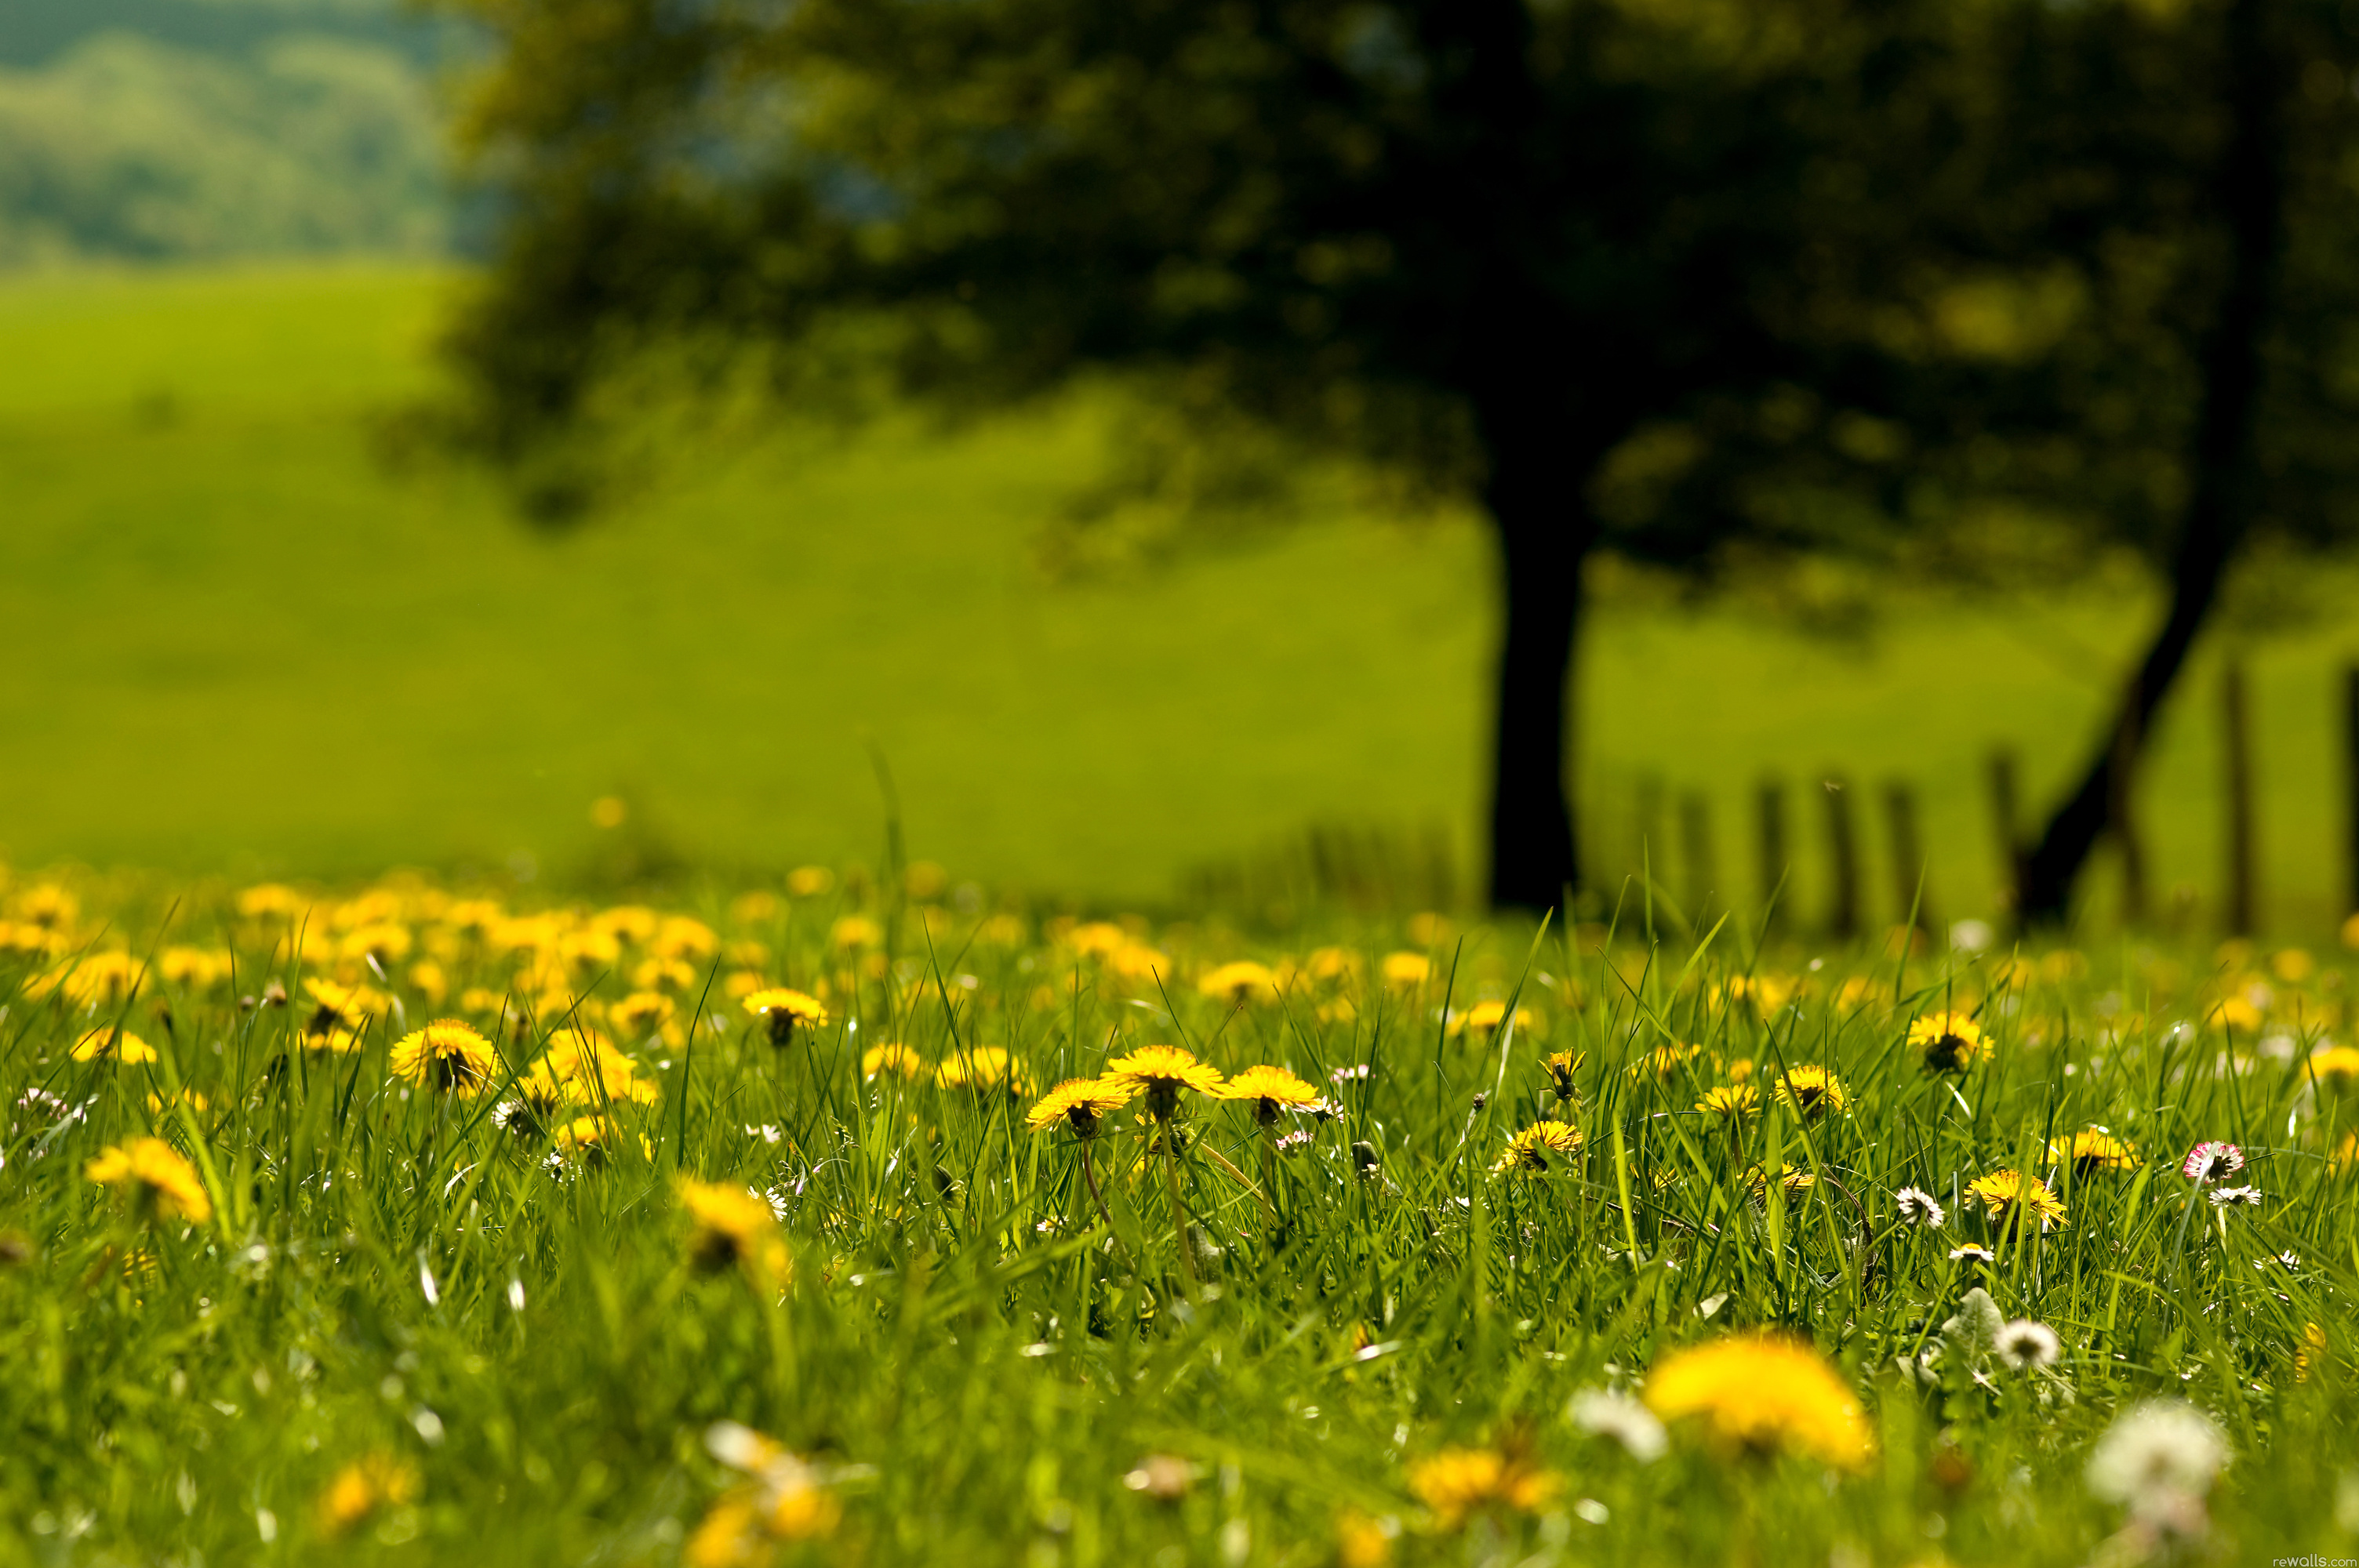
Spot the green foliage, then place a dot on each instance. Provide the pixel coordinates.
(250, 130)
(980, 1358)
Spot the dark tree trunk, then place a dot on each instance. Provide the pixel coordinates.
(2249, 193)
(1544, 536)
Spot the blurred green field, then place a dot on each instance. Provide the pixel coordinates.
(244, 646)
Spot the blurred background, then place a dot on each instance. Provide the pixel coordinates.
(260, 620)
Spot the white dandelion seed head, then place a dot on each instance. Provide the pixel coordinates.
(2027, 1347)
(1623, 1419)
(1919, 1208)
(2157, 1457)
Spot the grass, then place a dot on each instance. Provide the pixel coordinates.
(259, 651)
(393, 1326)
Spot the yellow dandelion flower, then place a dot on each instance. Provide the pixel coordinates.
(1243, 980)
(681, 938)
(783, 1010)
(981, 1069)
(1364, 1542)
(112, 1044)
(338, 1006)
(363, 1488)
(1792, 1179)
(446, 1055)
(1406, 971)
(94, 979)
(1333, 965)
(1484, 1018)
(159, 1104)
(1811, 1091)
(1561, 1067)
(1079, 1103)
(1269, 1090)
(784, 1499)
(2313, 1344)
(2006, 1195)
(2335, 1067)
(1730, 1102)
(643, 1013)
(592, 1069)
(731, 1226)
(47, 905)
(160, 1179)
(1761, 1394)
(1457, 1484)
(2346, 1155)
(196, 968)
(1138, 961)
(856, 931)
(1768, 993)
(2093, 1148)
(588, 1141)
(892, 1057)
(1162, 1073)
(387, 944)
(1539, 1149)
(1947, 1041)
(1665, 1061)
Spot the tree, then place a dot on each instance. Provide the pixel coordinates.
(1567, 255)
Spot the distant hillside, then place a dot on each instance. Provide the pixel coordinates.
(156, 129)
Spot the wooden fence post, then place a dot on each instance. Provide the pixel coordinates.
(1773, 851)
(2237, 741)
(1843, 863)
(1912, 888)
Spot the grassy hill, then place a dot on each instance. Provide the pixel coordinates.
(255, 649)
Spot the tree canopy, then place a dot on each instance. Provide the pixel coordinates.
(1707, 283)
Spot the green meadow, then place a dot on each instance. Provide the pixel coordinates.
(247, 644)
